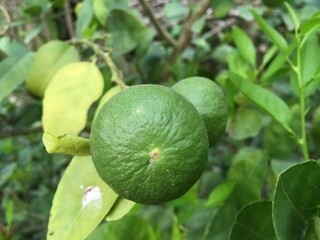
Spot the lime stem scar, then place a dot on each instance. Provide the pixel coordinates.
(154, 154)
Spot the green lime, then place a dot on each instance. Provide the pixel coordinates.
(109, 94)
(210, 102)
(149, 144)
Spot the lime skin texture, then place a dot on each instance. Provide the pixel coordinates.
(209, 100)
(149, 144)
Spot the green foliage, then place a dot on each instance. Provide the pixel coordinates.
(294, 213)
(80, 203)
(259, 182)
(66, 103)
(250, 225)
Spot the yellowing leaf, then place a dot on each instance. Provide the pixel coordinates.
(67, 144)
(121, 207)
(47, 61)
(68, 97)
(81, 202)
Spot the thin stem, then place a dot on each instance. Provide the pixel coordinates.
(20, 132)
(161, 30)
(117, 76)
(7, 17)
(69, 20)
(303, 140)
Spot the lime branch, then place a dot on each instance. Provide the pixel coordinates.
(297, 68)
(69, 20)
(8, 20)
(186, 33)
(185, 36)
(303, 140)
(161, 30)
(117, 76)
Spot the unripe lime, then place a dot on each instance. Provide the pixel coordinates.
(210, 102)
(149, 144)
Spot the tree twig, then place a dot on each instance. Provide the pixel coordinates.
(69, 20)
(8, 19)
(20, 132)
(117, 76)
(186, 33)
(161, 30)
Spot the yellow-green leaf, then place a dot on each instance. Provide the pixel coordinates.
(121, 207)
(68, 144)
(47, 61)
(81, 202)
(68, 97)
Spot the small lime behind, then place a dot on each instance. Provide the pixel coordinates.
(209, 100)
(149, 144)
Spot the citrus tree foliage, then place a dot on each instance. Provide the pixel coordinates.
(61, 61)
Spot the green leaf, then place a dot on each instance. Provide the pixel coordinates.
(271, 33)
(81, 202)
(7, 171)
(220, 194)
(263, 98)
(49, 58)
(248, 171)
(254, 222)
(68, 97)
(67, 144)
(84, 18)
(9, 208)
(102, 8)
(310, 60)
(219, 227)
(277, 141)
(293, 15)
(296, 200)
(126, 31)
(309, 25)
(238, 64)
(244, 45)
(310, 67)
(175, 10)
(277, 68)
(269, 55)
(221, 7)
(12, 48)
(246, 122)
(120, 208)
(13, 71)
(34, 32)
(130, 227)
(176, 233)
(110, 93)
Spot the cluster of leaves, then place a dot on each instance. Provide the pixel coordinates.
(255, 186)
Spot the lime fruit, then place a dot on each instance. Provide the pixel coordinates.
(210, 102)
(149, 144)
(109, 94)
